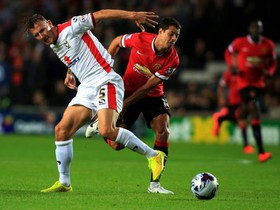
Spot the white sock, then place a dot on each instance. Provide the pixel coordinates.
(129, 140)
(64, 156)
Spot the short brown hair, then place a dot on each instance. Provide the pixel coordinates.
(31, 21)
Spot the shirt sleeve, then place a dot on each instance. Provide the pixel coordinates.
(273, 64)
(82, 23)
(228, 57)
(234, 46)
(130, 40)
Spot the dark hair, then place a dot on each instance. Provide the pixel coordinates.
(166, 22)
(31, 21)
(255, 20)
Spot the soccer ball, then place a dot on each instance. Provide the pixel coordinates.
(204, 186)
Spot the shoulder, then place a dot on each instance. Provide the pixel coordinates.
(174, 55)
(138, 39)
(238, 43)
(268, 41)
(240, 39)
(171, 58)
(62, 26)
(145, 36)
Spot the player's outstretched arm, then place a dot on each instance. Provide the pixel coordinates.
(140, 18)
(142, 91)
(115, 46)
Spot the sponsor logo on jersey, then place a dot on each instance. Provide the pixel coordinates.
(254, 59)
(70, 62)
(142, 70)
(67, 60)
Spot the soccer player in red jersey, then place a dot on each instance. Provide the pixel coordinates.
(254, 59)
(229, 100)
(152, 60)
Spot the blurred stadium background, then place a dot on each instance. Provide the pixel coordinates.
(33, 96)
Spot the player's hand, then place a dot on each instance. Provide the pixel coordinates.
(70, 81)
(120, 121)
(121, 115)
(146, 18)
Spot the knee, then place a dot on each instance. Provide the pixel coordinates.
(61, 133)
(107, 132)
(162, 134)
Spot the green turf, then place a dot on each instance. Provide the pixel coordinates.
(106, 179)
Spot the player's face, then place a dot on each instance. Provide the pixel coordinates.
(42, 31)
(169, 36)
(256, 29)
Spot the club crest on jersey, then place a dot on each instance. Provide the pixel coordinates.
(67, 45)
(264, 50)
(156, 67)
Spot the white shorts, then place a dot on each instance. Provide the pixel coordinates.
(107, 93)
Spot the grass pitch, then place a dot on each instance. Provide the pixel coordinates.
(106, 179)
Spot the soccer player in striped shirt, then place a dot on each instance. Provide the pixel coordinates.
(101, 89)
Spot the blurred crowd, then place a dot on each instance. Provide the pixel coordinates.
(30, 73)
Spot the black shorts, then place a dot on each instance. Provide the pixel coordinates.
(231, 112)
(150, 107)
(250, 94)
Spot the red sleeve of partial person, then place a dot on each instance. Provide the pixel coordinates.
(228, 57)
(272, 67)
(273, 63)
(227, 77)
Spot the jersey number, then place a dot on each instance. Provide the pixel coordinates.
(102, 94)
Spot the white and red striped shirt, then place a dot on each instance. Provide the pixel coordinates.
(81, 51)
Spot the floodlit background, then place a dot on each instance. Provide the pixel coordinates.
(33, 97)
(32, 93)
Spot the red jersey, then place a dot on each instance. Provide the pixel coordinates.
(144, 62)
(229, 80)
(252, 60)
(228, 58)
